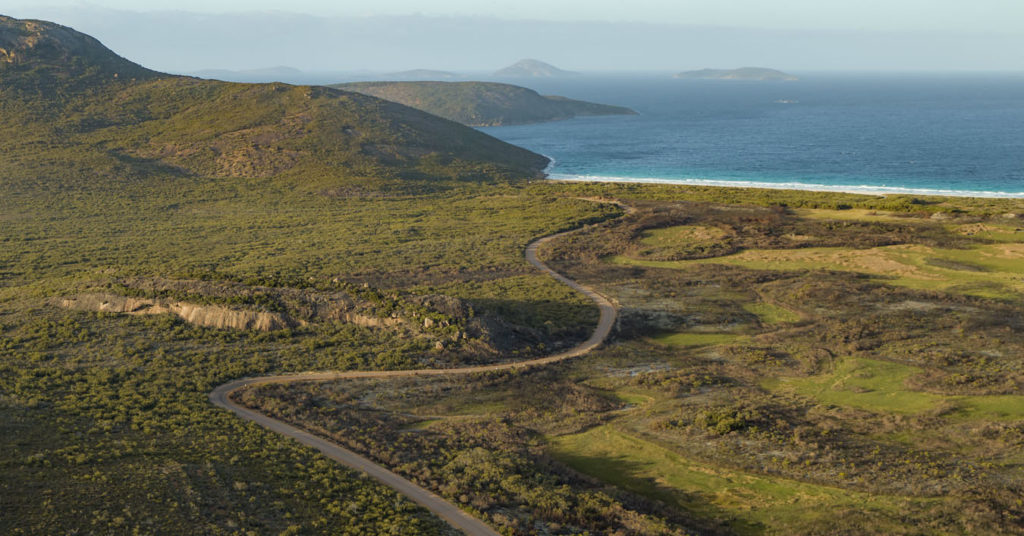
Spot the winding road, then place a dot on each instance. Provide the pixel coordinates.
(221, 397)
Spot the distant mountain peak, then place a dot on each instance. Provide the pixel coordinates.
(46, 53)
(529, 68)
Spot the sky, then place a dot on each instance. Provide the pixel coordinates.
(186, 36)
(972, 16)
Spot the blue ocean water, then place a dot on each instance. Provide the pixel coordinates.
(926, 134)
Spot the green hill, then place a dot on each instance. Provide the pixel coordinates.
(483, 103)
(64, 95)
(786, 362)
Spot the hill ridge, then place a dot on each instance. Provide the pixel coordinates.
(483, 103)
(60, 85)
(46, 56)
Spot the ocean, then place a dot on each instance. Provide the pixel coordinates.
(959, 134)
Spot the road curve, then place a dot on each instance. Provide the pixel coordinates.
(442, 508)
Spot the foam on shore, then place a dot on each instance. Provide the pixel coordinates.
(813, 187)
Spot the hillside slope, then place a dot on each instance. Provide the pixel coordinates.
(64, 95)
(43, 57)
(483, 103)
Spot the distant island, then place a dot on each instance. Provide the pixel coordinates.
(533, 69)
(267, 74)
(176, 249)
(743, 73)
(422, 74)
(482, 103)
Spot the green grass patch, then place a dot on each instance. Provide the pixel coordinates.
(425, 425)
(879, 386)
(991, 271)
(634, 398)
(853, 214)
(1007, 231)
(753, 502)
(682, 235)
(863, 383)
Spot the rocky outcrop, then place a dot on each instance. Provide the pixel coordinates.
(23, 39)
(210, 316)
(45, 45)
(369, 321)
(445, 323)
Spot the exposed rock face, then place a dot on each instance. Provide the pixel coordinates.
(302, 307)
(369, 321)
(210, 316)
(446, 323)
(24, 39)
(38, 44)
(221, 317)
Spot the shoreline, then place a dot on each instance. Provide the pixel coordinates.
(797, 186)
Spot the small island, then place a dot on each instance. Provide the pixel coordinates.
(533, 69)
(743, 73)
(483, 103)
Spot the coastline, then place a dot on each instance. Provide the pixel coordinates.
(809, 187)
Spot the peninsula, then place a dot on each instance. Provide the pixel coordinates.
(483, 103)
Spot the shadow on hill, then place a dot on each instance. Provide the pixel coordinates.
(701, 514)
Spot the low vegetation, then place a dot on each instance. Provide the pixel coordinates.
(768, 398)
(732, 394)
(483, 103)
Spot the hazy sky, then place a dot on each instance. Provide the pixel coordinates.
(975, 16)
(383, 36)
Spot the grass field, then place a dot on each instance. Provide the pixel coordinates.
(876, 385)
(988, 271)
(685, 238)
(105, 414)
(747, 393)
(754, 503)
(111, 384)
(294, 200)
(854, 214)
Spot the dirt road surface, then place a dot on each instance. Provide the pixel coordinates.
(429, 500)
